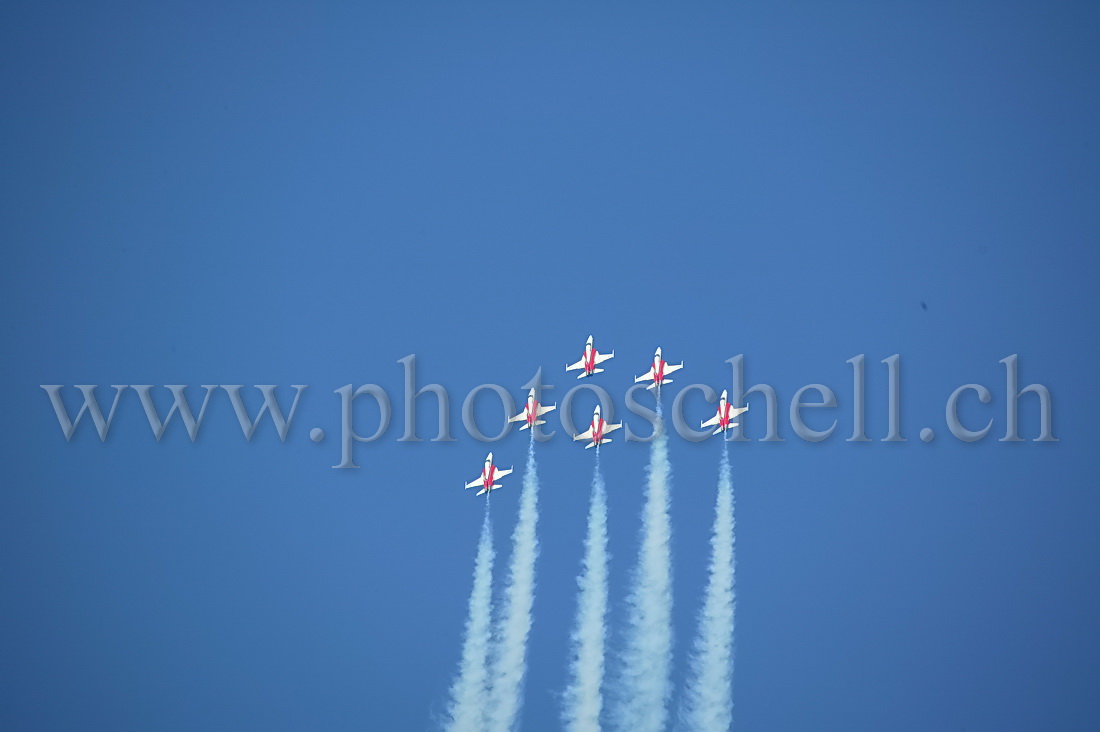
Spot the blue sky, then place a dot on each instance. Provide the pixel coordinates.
(200, 194)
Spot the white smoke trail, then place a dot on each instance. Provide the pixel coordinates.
(583, 698)
(510, 658)
(468, 693)
(708, 701)
(644, 688)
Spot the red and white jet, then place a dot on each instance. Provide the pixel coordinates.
(532, 411)
(489, 474)
(724, 418)
(658, 372)
(597, 430)
(588, 362)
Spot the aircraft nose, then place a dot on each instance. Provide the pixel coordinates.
(658, 353)
(589, 341)
(723, 393)
(489, 458)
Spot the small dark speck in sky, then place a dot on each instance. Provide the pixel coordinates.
(924, 305)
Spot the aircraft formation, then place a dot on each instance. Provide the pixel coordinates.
(597, 431)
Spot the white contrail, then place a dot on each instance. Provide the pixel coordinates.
(470, 689)
(583, 697)
(644, 689)
(510, 659)
(708, 700)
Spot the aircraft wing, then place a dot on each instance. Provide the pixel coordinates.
(544, 410)
(739, 410)
(501, 473)
(710, 422)
(521, 416)
(601, 357)
(586, 435)
(474, 482)
(577, 365)
(611, 427)
(645, 377)
(669, 368)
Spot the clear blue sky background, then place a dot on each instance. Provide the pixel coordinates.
(303, 194)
